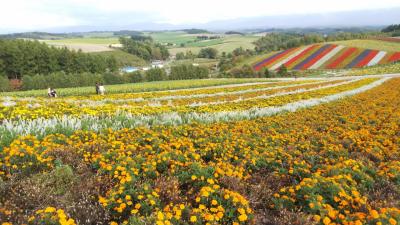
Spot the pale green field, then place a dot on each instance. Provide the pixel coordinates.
(228, 44)
(99, 41)
(123, 58)
(138, 87)
(175, 37)
(372, 44)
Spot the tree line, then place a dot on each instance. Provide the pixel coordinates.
(144, 47)
(21, 57)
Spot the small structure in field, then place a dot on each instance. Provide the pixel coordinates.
(157, 64)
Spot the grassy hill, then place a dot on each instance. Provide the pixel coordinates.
(372, 44)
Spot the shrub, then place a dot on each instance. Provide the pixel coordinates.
(4, 84)
(183, 72)
(155, 74)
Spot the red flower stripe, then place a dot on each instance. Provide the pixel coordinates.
(318, 57)
(307, 50)
(341, 58)
(273, 59)
(395, 57)
(367, 58)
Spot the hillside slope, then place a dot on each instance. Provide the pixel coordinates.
(326, 56)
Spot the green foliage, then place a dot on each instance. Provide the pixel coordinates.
(245, 71)
(185, 72)
(144, 47)
(4, 83)
(64, 80)
(62, 177)
(391, 28)
(155, 74)
(134, 77)
(282, 71)
(209, 53)
(20, 57)
(180, 56)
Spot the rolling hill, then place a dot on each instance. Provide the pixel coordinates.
(326, 56)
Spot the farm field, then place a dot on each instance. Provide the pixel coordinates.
(326, 56)
(305, 151)
(87, 44)
(372, 44)
(227, 44)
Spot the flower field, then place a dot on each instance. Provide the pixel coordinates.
(327, 56)
(309, 151)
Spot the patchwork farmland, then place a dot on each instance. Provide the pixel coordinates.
(326, 56)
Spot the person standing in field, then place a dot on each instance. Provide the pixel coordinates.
(49, 92)
(53, 93)
(97, 88)
(102, 90)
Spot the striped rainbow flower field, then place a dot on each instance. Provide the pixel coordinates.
(326, 56)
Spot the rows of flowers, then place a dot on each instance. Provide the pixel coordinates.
(242, 101)
(327, 56)
(336, 163)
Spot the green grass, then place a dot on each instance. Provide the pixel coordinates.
(205, 43)
(137, 87)
(123, 58)
(175, 37)
(226, 44)
(372, 44)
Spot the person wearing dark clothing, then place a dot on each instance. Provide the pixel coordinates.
(97, 88)
(53, 93)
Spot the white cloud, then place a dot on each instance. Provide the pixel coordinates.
(39, 14)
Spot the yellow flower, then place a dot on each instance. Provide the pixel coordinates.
(209, 217)
(242, 217)
(193, 219)
(374, 214)
(241, 211)
(160, 216)
(392, 221)
(50, 210)
(326, 220)
(358, 222)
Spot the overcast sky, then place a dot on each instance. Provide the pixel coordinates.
(26, 15)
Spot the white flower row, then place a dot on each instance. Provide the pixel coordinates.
(282, 93)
